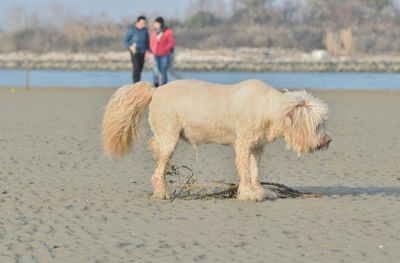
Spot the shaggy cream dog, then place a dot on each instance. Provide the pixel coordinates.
(246, 116)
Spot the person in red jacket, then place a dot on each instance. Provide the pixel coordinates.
(162, 44)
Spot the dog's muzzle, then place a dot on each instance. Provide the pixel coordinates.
(325, 141)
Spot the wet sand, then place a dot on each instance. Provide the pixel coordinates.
(62, 200)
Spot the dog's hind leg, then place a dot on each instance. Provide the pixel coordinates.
(163, 148)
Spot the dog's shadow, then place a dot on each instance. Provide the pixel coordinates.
(353, 191)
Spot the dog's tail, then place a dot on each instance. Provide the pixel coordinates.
(122, 117)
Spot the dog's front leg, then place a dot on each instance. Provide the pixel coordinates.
(255, 156)
(260, 193)
(245, 192)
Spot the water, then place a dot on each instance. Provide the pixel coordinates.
(90, 79)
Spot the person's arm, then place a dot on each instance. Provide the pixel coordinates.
(127, 38)
(171, 41)
(148, 49)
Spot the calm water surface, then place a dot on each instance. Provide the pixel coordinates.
(98, 79)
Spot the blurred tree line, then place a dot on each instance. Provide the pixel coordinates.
(374, 26)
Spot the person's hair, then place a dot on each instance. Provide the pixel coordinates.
(161, 21)
(140, 18)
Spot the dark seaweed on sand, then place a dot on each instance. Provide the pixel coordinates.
(184, 186)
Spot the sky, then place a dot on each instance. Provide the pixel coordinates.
(114, 9)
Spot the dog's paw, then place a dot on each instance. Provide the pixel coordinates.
(257, 194)
(245, 197)
(161, 195)
(249, 195)
(260, 194)
(244, 193)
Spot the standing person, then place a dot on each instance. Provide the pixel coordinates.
(137, 41)
(162, 44)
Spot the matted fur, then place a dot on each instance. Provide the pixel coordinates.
(123, 116)
(246, 116)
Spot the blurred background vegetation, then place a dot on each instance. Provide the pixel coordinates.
(341, 26)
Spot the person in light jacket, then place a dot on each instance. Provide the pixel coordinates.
(137, 42)
(162, 44)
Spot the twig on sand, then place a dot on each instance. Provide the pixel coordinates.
(184, 186)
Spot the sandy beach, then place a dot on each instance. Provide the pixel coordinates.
(62, 200)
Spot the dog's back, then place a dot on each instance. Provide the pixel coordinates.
(206, 112)
(218, 98)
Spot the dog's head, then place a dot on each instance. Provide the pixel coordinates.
(303, 122)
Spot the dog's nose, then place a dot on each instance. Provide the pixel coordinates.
(327, 139)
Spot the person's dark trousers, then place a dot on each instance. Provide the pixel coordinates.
(138, 63)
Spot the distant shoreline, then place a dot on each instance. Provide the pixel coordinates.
(393, 67)
(244, 59)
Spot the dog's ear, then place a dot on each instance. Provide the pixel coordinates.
(303, 104)
(296, 107)
(297, 122)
